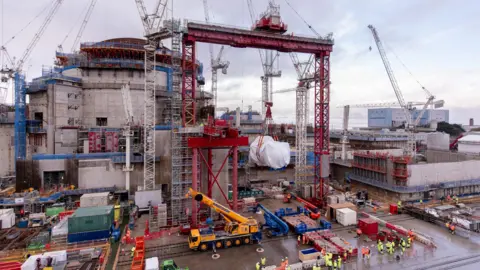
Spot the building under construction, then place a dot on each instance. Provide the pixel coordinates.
(76, 115)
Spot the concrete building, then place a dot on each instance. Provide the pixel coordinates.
(394, 117)
(7, 150)
(75, 117)
(441, 173)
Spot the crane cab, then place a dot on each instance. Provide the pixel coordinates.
(199, 239)
(194, 239)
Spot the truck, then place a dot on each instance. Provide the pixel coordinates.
(239, 230)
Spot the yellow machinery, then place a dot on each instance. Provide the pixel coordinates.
(238, 229)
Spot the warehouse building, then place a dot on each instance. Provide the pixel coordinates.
(395, 117)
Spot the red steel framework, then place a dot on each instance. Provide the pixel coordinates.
(216, 137)
(188, 83)
(241, 38)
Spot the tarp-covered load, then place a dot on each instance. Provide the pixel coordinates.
(264, 151)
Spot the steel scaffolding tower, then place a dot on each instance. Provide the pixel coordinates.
(181, 154)
(151, 24)
(149, 117)
(301, 135)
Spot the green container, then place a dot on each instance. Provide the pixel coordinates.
(87, 219)
(52, 211)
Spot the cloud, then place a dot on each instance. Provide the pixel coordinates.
(433, 38)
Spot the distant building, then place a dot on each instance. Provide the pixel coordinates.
(394, 117)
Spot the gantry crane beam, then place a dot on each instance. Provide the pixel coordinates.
(241, 38)
(319, 47)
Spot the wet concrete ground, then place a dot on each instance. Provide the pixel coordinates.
(450, 248)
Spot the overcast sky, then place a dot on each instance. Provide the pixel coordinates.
(436, 39)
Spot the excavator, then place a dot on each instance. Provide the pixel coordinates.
(238, 230)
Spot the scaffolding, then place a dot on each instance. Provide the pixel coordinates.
(301, 171)
(105, 135)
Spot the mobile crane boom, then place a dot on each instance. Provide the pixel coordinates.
(238, 229)
(224, 211)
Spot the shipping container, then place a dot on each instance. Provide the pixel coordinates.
(346, 217)
(52, 211)
(88, 236)
(368, 226)
(91, 219)
(94, 199)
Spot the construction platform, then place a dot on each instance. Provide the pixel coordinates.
(452, 252)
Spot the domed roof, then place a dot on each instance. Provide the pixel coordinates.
(128, 40)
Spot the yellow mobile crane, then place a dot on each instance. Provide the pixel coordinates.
(238, 229)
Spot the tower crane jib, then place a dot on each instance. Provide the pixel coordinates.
(84, 24)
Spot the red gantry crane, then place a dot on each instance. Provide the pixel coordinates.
(241, 38)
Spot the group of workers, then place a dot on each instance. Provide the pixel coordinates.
(450, 198)
(263, 262)
(331, 263)
(390, 245)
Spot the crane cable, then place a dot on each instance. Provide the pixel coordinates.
(405, 66)
(300, 16)
(75, 24)
(28, 24)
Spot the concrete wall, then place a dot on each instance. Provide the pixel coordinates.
(97, 173)
(468, 148)
(38, 103)
(7, 149)
(68, 109)
(428, 174)
(436, 156)
(393, 152)
(65, 141)
(50, 166)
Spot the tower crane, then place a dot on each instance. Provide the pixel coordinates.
(346, 116)
(215, 63)
(151, 24)
(15, 72)
(84, 24)
(410, 149)
(127, 132)
(269, 21)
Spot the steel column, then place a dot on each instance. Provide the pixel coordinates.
(210, 165)
(189, 74)
(321, 126)
(194, 186)
(215, 176)
(235, 178)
